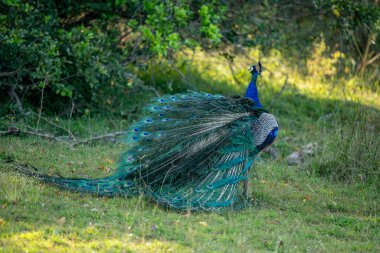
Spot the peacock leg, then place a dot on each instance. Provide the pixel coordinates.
(246, 187)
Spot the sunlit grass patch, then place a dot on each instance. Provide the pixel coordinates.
(42, 240)
(12, 187)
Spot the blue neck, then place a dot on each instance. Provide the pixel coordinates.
(252, 90)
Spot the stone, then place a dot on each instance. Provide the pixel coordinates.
(309, 149)
(294, 158)
(300, 156)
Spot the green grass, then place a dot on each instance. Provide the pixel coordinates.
(291, 211)
(328, 204)
(303, 212)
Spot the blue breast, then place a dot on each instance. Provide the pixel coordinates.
(269, 139)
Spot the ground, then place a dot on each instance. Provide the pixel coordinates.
(292, 208)
(291, 211)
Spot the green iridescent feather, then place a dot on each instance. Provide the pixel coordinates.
(190, 151)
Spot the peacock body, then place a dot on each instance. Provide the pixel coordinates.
(190, 151)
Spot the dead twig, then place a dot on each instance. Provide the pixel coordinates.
(373, 59)
(46, 82)
(16, 131)
(109, 136)
(69, 124)
(183, 76)
(15, 98)
(10, 73)
(15, 72)
(53, 124)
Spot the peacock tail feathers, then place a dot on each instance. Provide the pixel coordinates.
(108, 186)
(192, 149)
(189, 151)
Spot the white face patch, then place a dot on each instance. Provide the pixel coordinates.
(262, 127)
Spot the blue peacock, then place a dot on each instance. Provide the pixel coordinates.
(190, 152)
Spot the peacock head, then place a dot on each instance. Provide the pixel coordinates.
(256, 69)
(265, 130)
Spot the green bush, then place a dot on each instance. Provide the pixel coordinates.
(76, 52)
(63, 53)
(79, 63)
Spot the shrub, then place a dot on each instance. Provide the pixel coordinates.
(75, 52)
(42, 57)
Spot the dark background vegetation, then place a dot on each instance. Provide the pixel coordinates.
(83, 54)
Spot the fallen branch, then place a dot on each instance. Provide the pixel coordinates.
(54, 124)
(10, 73)
(17, 131)
(183, 76)
(109, 136)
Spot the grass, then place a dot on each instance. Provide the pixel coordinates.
(291, 211)
(12, 187)
(301, 208)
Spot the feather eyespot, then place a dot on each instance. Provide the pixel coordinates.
(129, 184)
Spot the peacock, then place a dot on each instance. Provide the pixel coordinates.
(189, 152)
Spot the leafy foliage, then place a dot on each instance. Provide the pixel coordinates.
(76, 53)
(80, 63)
